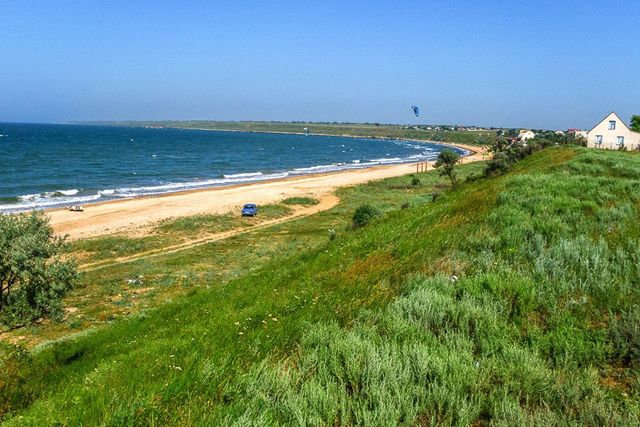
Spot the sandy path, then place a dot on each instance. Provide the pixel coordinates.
(134, 216)
(326, 202)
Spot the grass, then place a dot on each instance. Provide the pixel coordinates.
(104, 296)
(510, 301)
(170, 232)
(303, 201)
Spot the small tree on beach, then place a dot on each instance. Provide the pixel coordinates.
(446, 162)
(33, 277)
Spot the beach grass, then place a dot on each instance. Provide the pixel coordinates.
(170, 232)
(510, 300)
(304, 201)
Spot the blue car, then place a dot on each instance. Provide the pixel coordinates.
(250, 209)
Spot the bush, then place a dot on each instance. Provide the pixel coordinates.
(498, 165)
(506, 154)
(363, 215)
(33, 278)
(405, 205)
(624, 334)
(415, 181)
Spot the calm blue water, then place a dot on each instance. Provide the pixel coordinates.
(55, 165)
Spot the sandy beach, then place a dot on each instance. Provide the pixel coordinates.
(134, 216)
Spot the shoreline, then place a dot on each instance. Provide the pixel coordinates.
(471, 151)
(49, 202)
(137, 216)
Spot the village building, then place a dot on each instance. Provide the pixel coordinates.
(612, 133)
(577, 133)
(526, 135)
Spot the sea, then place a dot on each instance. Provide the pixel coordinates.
(55, 165)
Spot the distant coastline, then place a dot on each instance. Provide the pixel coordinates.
(468, 135)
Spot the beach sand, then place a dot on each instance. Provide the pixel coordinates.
(136, 216)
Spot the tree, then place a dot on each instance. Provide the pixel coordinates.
(635, 123)
(446, 162)
(33, 277)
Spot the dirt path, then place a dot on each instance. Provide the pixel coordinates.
(327, 201)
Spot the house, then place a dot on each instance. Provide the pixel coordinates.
(526, 135)
(613, 133)
(577, 133)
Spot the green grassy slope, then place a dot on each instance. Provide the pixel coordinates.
(541, 326)
(104, 296)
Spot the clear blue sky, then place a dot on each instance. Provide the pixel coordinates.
(552, 64)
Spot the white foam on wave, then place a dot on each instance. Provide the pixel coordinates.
(47, 195)
(179, 186)
(317, 169)
(28, 197)
(42, 201)
(388, 160)
(243, 175)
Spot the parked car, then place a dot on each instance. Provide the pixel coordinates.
(250, 209)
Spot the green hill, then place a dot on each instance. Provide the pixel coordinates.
(512, 300)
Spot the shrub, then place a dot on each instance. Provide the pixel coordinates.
(405, 205)
(625, 337)
(33, 278)
(506, 154)
(306, 201)
(415, 181)
(363, 215)
(498, 165)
